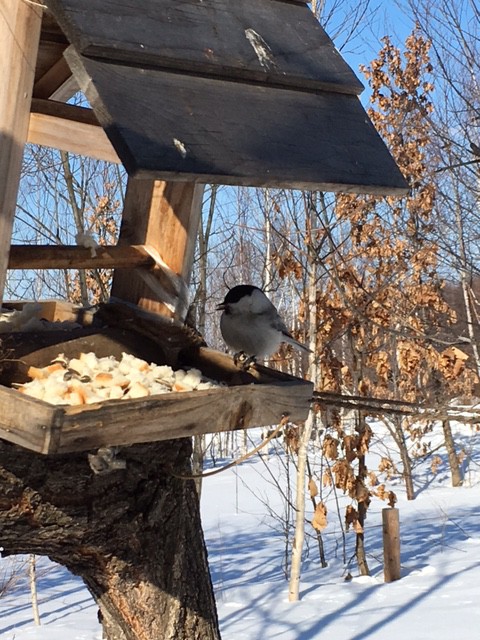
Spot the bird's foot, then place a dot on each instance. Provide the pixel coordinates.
(243, 361)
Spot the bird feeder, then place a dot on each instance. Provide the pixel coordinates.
(182, 93)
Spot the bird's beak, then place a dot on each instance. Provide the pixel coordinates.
(221, 307)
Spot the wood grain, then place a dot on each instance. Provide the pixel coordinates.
(203, 130)
(48, 429)
(56, 81)
(391, 544)
(19, 36)
(75, 257)
(64, 111)
(68, 135)
(181, 415)
(164, 216)
(70, 128)
(30, 423)
(213, 37)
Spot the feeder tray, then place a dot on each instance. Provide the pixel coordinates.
(257, 397)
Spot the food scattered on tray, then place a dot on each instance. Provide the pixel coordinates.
(89, 379)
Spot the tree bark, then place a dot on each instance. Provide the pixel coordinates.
(32, 578)
(456, 473)
(134, 535)
(399, 437)
(363, 504)
(297, 549)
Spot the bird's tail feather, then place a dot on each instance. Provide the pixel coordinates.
(291, 340)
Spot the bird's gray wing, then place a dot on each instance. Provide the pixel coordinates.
(279, 325)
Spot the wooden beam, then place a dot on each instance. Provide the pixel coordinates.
(70, 128)
(19, 37)
(58, 109)
(57, 83)
(66, 90)
(75, 257)
(165, 217)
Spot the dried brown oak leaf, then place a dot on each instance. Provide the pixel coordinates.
(330, 448)
(351, 519)
(349, 445)
(343, 474)
(312, 487)
(319, 521)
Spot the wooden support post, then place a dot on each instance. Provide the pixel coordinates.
(164, 217)
(391, 544)
(19, 37)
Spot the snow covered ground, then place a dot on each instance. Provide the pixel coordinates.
(437, 597)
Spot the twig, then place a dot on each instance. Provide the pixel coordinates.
(401, 407)
(247, 455)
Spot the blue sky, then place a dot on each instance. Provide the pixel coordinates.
(385, 18)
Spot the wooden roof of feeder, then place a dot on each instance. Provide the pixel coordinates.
(251, 92)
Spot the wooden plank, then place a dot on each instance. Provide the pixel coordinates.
(168, 416)
(164, 216)
(75, 257)
(64, 111)
(52, 81)
(204, 130)
(28, 422)
(220, 366)
(267, 41)
(49, 429)
(19, 35)
(52, 45)
(49, 52)
(53, 78)
(149, 337)
(70, 134)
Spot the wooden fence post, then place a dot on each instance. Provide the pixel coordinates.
(391, 544)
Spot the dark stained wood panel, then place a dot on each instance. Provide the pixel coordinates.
(269, 41)
(176, 127)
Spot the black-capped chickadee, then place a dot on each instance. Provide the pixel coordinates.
(250, 323)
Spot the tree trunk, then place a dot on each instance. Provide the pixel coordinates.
(399, 437)
(296, 568)
(362, 514)
(465, 287)
(133, 535)
(32, 578)
(200, 303)
(362, 503)
(457, 479)
(395, 425)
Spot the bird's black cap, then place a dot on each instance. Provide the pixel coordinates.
(240, 291)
